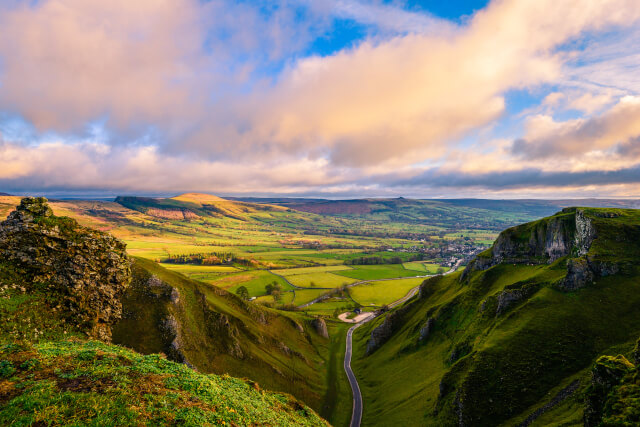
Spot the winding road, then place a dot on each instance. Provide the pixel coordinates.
(356, 414)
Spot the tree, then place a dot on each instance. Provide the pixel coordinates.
(273, 287)
(276, 295)
(243, 293)
(440, 270)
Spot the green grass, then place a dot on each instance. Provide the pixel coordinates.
(509, 365)
(384, 292)
(373, 272)
(307, 295)
(337, 405)
(256, 284)
(219, 344)
(328, 307)
(319, 280)
(92, 383)
(308, 270)
(423, 267)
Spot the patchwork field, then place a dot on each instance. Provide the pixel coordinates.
(253, 245)
(374, 272)
(384, 292)
(423, 267)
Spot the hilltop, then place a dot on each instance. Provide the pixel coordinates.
(62, 284)
(192, 206)
(512, 339)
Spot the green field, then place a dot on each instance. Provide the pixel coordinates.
(383, 292)
(255, 282)
(423, 267)
(307, 270)
(320, 280)
(305, 296)
(373, 272)
(328, 307)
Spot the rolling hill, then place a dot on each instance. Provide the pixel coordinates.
(511, 340)
(441, 211)
(194, 205)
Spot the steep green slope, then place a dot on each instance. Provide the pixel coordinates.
(61, 283)
(215, 331)
(512, 339)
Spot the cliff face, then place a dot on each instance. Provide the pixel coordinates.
(570, 233)
(86, 270)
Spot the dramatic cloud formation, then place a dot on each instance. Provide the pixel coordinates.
(234, 97)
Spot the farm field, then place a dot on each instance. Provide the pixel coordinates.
(308, 270)
(319, 280)
(422, 267)
(307, 295)
(254, 280)
(383, 292)
(374, 272)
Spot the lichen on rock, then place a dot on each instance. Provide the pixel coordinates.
(86, 269)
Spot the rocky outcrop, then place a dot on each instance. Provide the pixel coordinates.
(562, 395)
(510, 297)
(320, 327)
(426, 329)
(569, 233)
(607, 373)
(221, 330)
(85, 270)
(386, 329)
(583, 271)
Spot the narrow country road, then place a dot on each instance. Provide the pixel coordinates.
(356, 414)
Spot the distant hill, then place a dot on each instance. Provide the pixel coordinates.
(199, 198)
(512, 340)
(194, 205)
(419, 208)
(5, 194)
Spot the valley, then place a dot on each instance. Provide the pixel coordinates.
(266, 292)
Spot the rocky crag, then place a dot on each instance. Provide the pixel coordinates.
(567, 235)
(86, 270)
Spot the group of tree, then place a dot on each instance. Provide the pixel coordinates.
(243, 293)
(373, 260)
(210, 258)
(275, 290)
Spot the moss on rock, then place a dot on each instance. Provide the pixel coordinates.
(87, 270)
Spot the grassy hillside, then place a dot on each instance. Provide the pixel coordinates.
(512, 339)
(93, 383)
(215, 331)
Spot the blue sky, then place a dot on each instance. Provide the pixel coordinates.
(332, 98)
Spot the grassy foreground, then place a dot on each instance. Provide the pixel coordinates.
(93, 383)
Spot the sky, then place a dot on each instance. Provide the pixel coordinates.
(321, 98)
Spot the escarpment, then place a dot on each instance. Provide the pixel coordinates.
(86, 270)
(568, 235)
